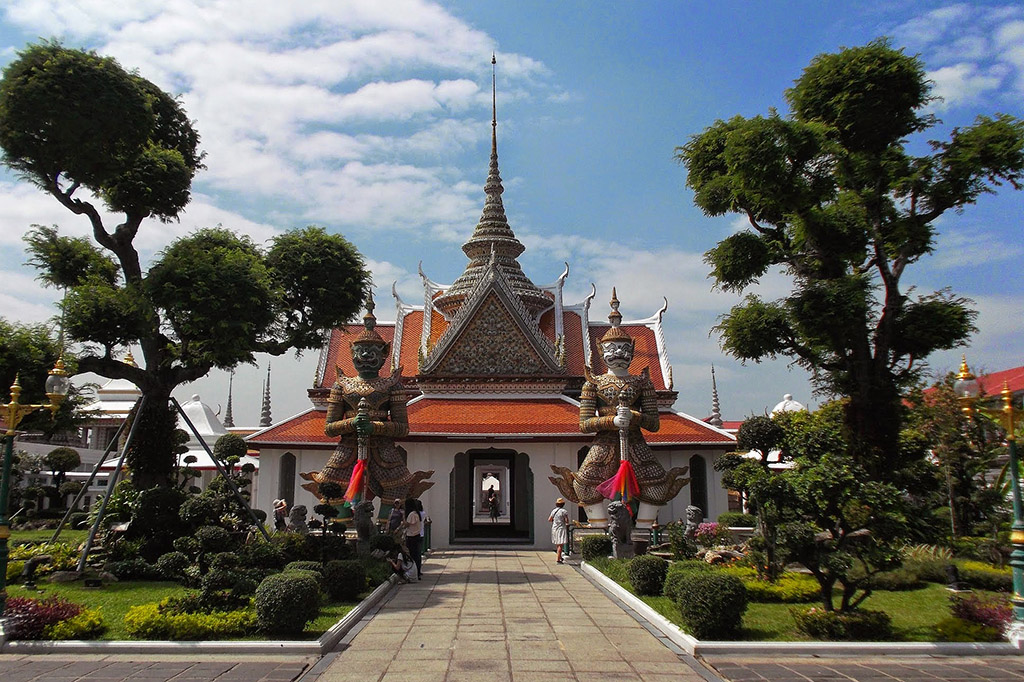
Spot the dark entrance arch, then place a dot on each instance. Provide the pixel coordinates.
(470, 522)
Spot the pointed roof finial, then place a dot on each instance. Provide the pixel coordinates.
(716, 410)
(265, 419)
(129, 359)
(229, 419)
(369, 333)
(492, 233)
(616, 333)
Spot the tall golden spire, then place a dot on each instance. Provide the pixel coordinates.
(493, 233)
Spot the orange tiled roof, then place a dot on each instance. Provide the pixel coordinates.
(677, 430)
(548, 416)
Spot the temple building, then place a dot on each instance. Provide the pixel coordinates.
(492, 366)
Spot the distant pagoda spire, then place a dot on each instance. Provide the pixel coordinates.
(265, 419)
(716, 409)
(229, 419)
(493, 233)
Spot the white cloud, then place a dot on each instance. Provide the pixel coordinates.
(972, 50)
(964, 83)
(971, 248)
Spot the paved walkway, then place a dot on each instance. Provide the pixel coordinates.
(485, 615)
(503, 615)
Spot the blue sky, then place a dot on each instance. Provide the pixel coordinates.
(372, 119)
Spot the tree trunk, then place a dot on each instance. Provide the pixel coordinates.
(151, 455)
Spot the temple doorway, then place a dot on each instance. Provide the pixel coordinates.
(485, 474)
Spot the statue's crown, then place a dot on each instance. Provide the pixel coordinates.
(369, 333)
(616, 333)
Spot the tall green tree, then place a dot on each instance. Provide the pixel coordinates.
(835, 200)
(84, 130)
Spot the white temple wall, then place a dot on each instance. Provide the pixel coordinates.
(440, 457)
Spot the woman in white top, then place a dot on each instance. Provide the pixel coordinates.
(559, 519)
(413, 539)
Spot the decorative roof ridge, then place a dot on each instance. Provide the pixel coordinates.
(430, 284)
(701, 422)
(402, 310)
(493, 279)
(585, 326)
(494, 396)
(556, 286)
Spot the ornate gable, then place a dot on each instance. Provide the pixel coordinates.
(492, 334)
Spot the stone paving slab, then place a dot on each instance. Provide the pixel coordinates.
(868, 669)
(152, 668)
(504, 615)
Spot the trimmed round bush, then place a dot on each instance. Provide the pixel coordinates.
(219, 579)
(187, 545)
(676, 571)
(213, 538)
(262, 554)
(224, 561)
(198, 510)
(172, 565)
(314, 566)
(595, 547)
(711, 604)
(315, 575)
(344, 579)
(285, 602)
(647, 574)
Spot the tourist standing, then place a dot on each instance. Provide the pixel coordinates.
(559, 519)
(413, 539)
(280, 514)
(396, 518)
(492, 504)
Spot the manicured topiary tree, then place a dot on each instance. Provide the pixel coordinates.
(285, 602)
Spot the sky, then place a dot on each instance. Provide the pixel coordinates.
(372, 119)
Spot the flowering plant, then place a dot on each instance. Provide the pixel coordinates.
(712, 534)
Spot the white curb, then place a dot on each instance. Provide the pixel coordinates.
(325, 643)
(697, 647)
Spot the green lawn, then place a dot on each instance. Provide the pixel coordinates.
(71, 537)
(114, 600)
(914, 612)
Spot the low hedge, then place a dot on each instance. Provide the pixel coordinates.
(982, 576)
(834, 626)
(595, 547)
(149, 622)
(790, 588)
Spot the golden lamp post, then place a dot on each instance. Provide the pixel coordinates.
(967, 390)
(57, 385)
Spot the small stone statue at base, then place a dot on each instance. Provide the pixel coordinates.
(362, 514)
(297, 520)
(620, 526)
(694, 516)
